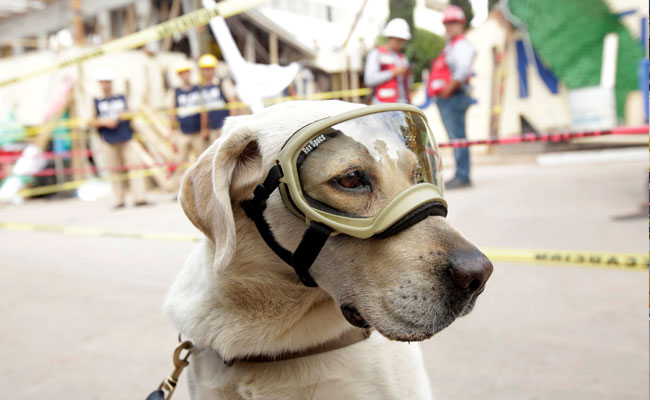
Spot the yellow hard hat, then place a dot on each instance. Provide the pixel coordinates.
(208, 61)
(183, 66)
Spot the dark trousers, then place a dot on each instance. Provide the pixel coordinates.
(452, 111)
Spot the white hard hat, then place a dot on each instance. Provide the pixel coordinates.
(398, 28)
(105, 73)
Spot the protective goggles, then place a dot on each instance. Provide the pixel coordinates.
(369, 172)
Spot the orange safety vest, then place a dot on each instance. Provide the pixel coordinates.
(387, 92)
(440, 75)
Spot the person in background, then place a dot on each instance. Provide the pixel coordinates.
(117, 145)
(449, 85)
(214, 97)
(387, 69)
(193, 135)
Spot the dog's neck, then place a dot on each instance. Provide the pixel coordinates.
(348, 338)
(255, 306)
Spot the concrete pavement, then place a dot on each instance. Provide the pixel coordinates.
(81, 315)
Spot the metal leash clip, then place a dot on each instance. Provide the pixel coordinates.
(169, 384)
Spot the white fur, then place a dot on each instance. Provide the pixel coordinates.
(234, 297)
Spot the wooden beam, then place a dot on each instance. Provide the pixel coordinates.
(192, 34)
(164, 10)
(158, 174)
(273, 47)
(249, 47)
(78, 23)
(239, 29)
(344, 83)
(354, 85)
(25, 42)
(129, 25)
(173, 13)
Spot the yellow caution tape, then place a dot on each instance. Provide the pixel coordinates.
(49, 189)
(621, 261)
(61, 187)
(180, 24)
(78, 122)
(323, 96)
(629, 261)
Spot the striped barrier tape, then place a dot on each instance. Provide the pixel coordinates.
(547, 137)
(456, 143)
(176, 25)
(524, 138)
(610, 260)
(92, 170)
(137, 171)
(49, 155)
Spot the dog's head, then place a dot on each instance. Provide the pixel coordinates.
(408, 286)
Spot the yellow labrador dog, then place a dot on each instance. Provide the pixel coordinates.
(259, 333)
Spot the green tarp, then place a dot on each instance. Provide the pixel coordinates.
(568, 35)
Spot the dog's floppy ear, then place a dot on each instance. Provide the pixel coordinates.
(226, 173)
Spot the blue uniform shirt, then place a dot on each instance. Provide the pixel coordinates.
(111, 107)
(213, 97)
(188, 115)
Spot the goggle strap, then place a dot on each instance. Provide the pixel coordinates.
(256, 214)
(312, 241)
(254, 209)
(311, 244)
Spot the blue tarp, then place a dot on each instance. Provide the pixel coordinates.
(545, 73)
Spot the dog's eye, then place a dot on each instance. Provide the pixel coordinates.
(352, 179)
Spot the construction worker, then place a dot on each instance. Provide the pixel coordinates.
(449, 85)
(387, 69)
(117, 144)
(214, 97)
(188, 104)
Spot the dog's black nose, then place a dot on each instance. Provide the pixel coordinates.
(470, 270)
